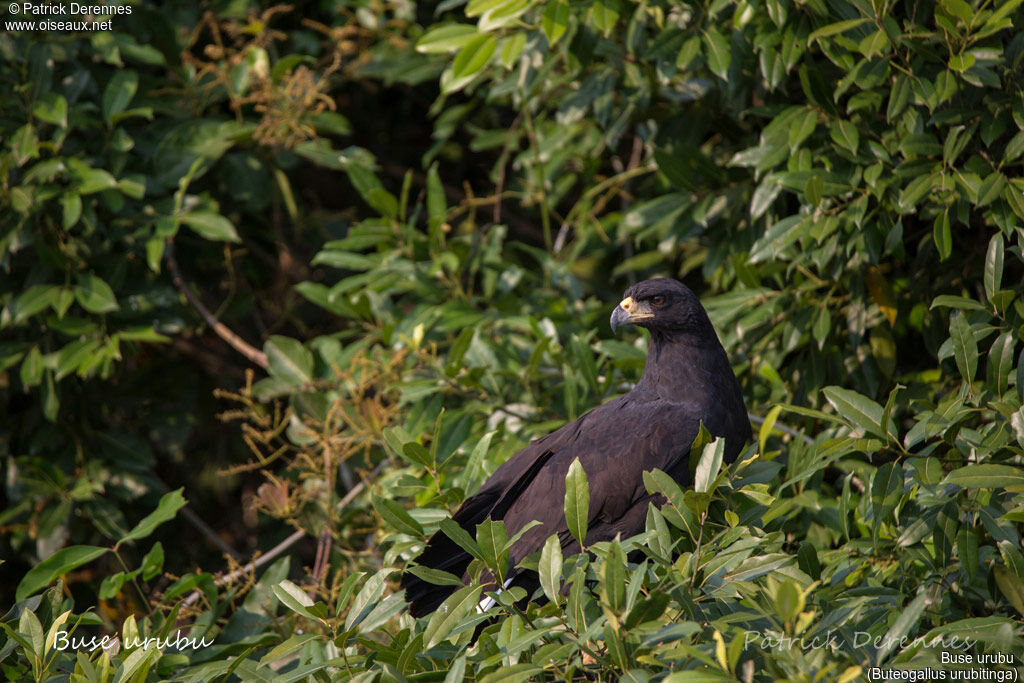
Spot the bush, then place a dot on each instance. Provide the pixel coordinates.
(841, 183)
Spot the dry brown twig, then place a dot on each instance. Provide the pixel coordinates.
(284, 545)
(221, 330)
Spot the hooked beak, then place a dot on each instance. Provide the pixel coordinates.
(628, 312)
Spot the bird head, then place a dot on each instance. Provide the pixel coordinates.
(659, 304)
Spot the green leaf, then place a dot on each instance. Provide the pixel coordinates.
(492, 539)
(1000, 362)
(511, 47)
(994, 265)
(434, 576)
(876, 43)
(32, 630)
(990, 189)
(51, 400)
(395, 515)
(961, 62)
(1019, 376)
(965, 348)
(813, 190)
(986, 476)
(846, 135)
(461, 538)
(1014, 148)
(657, 481)
(444, 39)
(459, 604)
(24, 144)
(838, 27)
(1011, 586)
(555, 20)
(457, 671)
(944, 533)
(807, 558)
(61, 562)
(766, 428)
(52, 108)
(959, 9)
(886, 491)
(88, 180)
(417, 453)
(166, 510)
(119, 92)
(383, 611)
(606, 15)
(550, 568)
(55, 628)
(957, 302)
(211, 225)
(32, 366)
(764, 196)
(112, 584)
(367, 598)
(967, 550)
(502, 14)
(943, 236)
(716, 50)
(473, 56)
(709, 466)
(289, 360)
(437, 206)
(577, 501)
(858, 409)
(822, 326)
(613, 576)
(295, 599)
(71, 210)
(95, 295)
(153, 562)
(516, 673)
(802, 128)
(907, 620)
(33, 300)
(929, 471)
(777, 238)
(1002, 11)
(475, 8)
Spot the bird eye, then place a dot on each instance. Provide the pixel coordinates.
(658, 300)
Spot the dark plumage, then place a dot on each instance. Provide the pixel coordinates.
(687, 379)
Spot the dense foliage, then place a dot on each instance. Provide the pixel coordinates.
(422, 214)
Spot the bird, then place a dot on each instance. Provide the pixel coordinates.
(687, 380)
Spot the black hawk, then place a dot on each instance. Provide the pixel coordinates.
(687, 380)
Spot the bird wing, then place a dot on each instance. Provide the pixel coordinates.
(615, 443)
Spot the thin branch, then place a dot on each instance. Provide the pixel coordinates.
(782, 428)
(281, 547)
(321, 563)
(205, 530)
(222, 330)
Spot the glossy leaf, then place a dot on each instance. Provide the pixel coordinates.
(473, 56)
(860, 410)
(577, 501)
(986, 476)
(211, 226)
(550, 568)
(95, 295)
(289, 360)
(965, 348)
(166, 510)
(61, 562)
